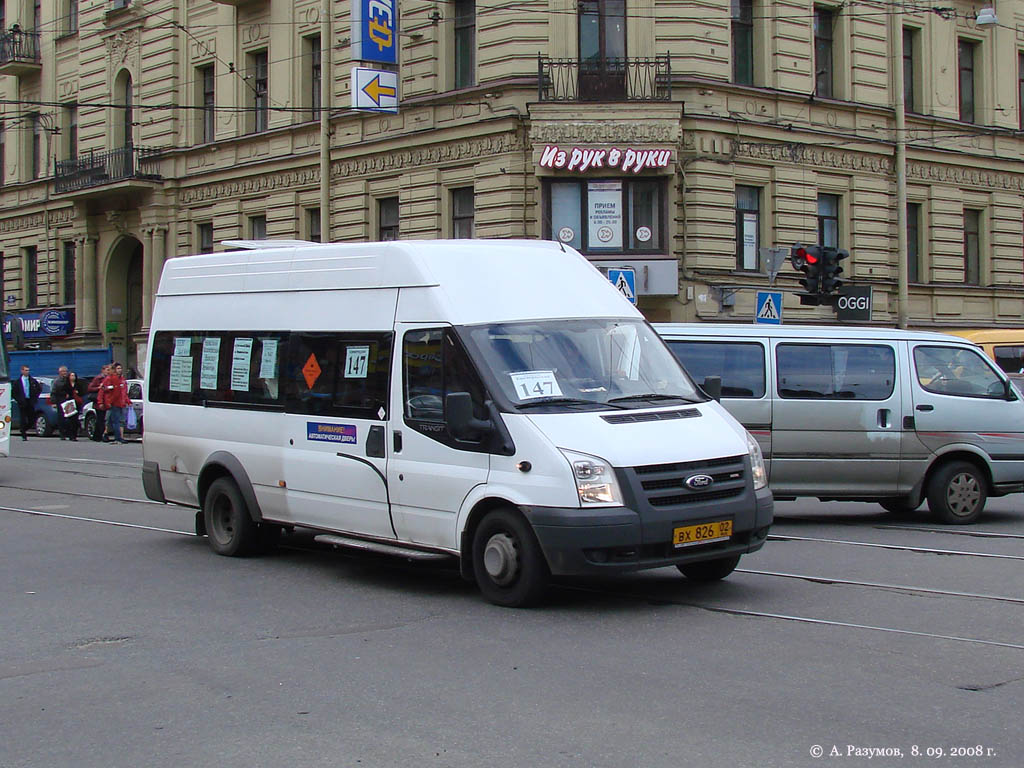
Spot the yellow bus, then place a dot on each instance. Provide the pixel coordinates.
(1004, 345)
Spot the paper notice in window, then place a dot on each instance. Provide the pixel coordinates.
(241, 365)
(268, 360)
(356, 360)
(208, 365)
(181, 374)
(182, 346)
(532, 384)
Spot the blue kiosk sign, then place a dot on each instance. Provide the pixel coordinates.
(375, 31)
(41, 325)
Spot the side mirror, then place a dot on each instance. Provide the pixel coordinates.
(463, 425)
(712, 387)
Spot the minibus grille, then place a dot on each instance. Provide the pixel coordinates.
(633, 418)
(664, 485)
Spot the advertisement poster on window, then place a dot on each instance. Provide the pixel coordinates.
(750, 241)
(604, 214)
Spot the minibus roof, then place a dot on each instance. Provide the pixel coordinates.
(823, 332)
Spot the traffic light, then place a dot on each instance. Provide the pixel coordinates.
(807, 259)
(831, 269)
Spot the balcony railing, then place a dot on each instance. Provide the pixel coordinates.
(611, 79)
(96, 169)
(19, 51)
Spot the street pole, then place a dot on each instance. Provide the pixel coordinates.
(326, 81)
(900, 162)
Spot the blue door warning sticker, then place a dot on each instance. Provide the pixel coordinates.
(330, 433)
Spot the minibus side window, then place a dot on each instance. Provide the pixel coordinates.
(836, 371)
(956, 371)
(739, 364)
(339, 374)
(433, 365)
(1010, 358)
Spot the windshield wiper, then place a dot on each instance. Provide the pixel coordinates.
(651, 396)
(565, 401)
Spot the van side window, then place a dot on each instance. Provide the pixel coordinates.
(1010, 358)
(835, 371)
(339, 374)
(956, 371)
(739, 364)
(434, 364)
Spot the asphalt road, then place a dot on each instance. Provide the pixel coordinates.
(124, 641)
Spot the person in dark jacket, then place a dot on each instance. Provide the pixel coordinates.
(75, 393)
(25, 391)
(59, 394)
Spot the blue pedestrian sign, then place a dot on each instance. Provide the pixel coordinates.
(769, 307)
(624, 281)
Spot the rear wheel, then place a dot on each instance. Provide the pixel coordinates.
(90, 426)
(957, 493)
(710, 570)
(229, 528)
(43, 428)
(507, 561)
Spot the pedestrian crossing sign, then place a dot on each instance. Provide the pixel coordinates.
(624, 279)
(769, 307)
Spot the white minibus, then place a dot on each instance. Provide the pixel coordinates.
(497, 402)
(867, 414)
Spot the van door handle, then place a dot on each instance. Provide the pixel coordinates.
(375, 442)
(397, 441)
(883, 418)
(925, 407)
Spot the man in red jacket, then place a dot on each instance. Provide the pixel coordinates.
(114, 396)
(94, 394)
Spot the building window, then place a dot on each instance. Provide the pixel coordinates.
(207, 100)
(204, 234)
(602, 50)
(910, 56)
(462, 213)
(70, 131)
(606, 216)
(1020, 90)
(387, 213)
(965, 64)
(259, 92)
(465, 43)
(972, 247)
(914, 242)
(313, 76)
(31, 256)
(313, 224)
(128, 112)
(748, 228)
(258, 227)
(69, 271)
(828, 221)
(3, 151)
(743, 42)
(72, 16)
(824, 83)
(37, 145)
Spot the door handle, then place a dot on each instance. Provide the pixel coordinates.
(925, 407)
(396, 437)
(883, 418)
(375, 442)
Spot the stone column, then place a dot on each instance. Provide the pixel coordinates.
(147, 280)
(90, 293)
(159, 255)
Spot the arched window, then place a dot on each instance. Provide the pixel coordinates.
(124, 112)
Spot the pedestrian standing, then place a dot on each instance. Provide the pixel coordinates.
(99, 430)
(25, 390)
(77, 395)
(58, 396)
(114, 394)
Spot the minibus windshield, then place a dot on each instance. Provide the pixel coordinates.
(592, 362)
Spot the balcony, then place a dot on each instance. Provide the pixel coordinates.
(611, 79)
(19, 52)
(125, 169)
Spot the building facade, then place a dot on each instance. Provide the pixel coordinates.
(683, 140)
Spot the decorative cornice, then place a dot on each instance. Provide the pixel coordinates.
(604, 132)
(251, 185)
(37, 220)
(468, 149)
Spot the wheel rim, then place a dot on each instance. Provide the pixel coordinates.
(501, 559)
(221, 524)
(963, 494)
(41, 425)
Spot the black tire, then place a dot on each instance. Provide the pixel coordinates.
(957, 493)
(710, 570)
(229, 528)
(43, 428)
(508, 564)
(898, 506)
(90, 426)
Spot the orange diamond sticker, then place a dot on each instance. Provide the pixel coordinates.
(311, 371)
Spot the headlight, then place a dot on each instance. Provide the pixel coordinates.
(760, 474)
(595, 479)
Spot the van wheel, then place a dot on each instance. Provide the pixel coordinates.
(507, 562)
(898, 506)
(229, 529)
(957, 493)
(709, 570)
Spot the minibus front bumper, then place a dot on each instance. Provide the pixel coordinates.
(618, 539)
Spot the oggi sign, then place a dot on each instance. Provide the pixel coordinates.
(854, 303)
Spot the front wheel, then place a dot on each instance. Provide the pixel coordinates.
(957, 493)
(229, 528)
(43, 428)
(507, 561)
(710, 570)
(90, 426)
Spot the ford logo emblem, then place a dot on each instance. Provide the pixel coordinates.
(695, 482)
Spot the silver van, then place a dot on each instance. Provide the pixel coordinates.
(866, 414)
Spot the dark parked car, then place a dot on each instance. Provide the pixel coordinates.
(45, 420)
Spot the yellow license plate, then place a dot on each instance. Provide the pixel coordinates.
(705, 533)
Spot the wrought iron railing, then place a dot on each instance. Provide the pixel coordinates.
(611, 79)
(95, 169)
(18, 45)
